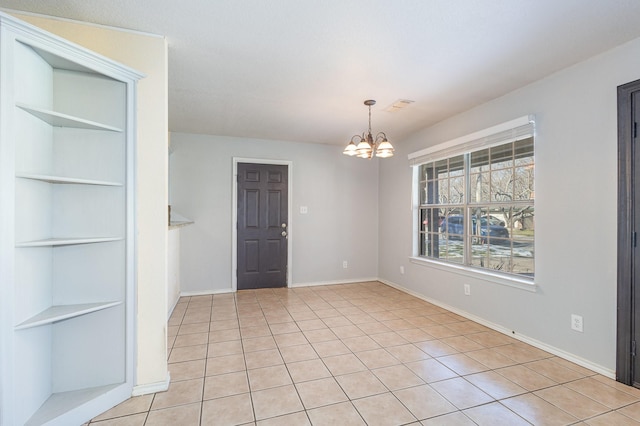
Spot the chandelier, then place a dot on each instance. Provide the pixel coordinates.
(366, 146)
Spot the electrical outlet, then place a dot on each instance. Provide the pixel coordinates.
(576, 323)
(345, 264)
(304, 209)
(467, 290)
(402, 270)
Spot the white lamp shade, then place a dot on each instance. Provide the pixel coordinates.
(363, 146)
(350, 150)
(384, 150)
(385, 145)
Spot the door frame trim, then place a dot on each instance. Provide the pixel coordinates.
(625, 218)
(234, 214)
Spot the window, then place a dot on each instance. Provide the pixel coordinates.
(475, 201)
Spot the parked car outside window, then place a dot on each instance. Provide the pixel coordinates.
(453, 227)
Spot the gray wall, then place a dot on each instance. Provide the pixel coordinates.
(353, 205)
(341, 194)
(576, 183)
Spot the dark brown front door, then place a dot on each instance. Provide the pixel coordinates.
(628, 361)
(262, 225)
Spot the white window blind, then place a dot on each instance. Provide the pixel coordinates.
(511, 131)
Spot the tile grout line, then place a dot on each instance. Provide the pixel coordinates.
(279, 302)
(244, 357)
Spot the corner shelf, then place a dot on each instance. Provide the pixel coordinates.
(49, 242)
(63, 312)
(64, 120)
(68, 234)
(65, 180)
(61, 402)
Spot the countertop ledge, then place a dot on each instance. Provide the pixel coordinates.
(175, 224)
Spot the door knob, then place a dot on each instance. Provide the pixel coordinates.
(284, 233)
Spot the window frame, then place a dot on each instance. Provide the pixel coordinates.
(511, 131)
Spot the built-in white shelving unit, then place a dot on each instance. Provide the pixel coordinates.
(67, 229)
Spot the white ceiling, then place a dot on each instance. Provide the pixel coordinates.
(299, 70)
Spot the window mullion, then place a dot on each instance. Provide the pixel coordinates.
(467, 216)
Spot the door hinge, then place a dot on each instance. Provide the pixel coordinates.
(633, 348)
(635, 129)
(634, 239)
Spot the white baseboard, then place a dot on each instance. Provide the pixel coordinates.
(152, 387)
(335, 282)
(206, 292)
(173, 307)
(533, 342)
(294, 285)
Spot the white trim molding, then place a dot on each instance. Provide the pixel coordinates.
(152, 387)
(335, 282)
(206, 292)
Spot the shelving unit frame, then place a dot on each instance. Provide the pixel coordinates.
(67, 229)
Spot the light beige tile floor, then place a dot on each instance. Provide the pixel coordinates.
(361, 354)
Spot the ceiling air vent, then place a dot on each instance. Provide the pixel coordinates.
(398, 105)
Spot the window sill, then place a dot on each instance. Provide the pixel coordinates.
(510, 281)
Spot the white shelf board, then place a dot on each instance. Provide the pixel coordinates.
(66, 241)
(58, 62)
(64, 120)
(63, 312)
(60, 403)
(65, 180)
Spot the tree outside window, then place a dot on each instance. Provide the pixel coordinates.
(477, 208)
